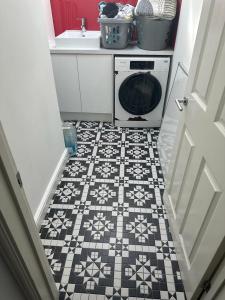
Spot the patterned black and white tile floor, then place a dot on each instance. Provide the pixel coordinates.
(106, 233)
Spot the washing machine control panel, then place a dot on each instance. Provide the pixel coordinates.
(141, 63)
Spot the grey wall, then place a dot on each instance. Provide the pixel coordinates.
(8, 286)
(28, 104)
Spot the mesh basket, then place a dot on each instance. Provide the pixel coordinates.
(115, 32)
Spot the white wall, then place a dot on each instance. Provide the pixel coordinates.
(49, 22)
(186, 34)
(8, 286)
(28, 104)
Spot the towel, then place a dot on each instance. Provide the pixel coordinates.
(144, 8)
(163, 9)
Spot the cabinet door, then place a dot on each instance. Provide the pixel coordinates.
(96, 83)
(67, 82)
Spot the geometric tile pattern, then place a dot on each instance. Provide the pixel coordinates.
(106, 233)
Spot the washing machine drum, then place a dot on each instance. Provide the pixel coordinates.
(140, 93)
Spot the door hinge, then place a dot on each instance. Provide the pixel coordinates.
(206, 286)
(19, 180)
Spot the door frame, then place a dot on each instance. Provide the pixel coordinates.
(20, 245)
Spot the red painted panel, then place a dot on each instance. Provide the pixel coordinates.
(67, 13)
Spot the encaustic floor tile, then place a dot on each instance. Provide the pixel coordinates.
(106, 233)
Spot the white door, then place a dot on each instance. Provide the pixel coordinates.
(20, 245)
(96, 83)
(67, 82)
(196, 193)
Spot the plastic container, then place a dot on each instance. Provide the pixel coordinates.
(152, 33)
(70, 138)
(115, 32)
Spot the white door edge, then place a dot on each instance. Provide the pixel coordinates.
(20, 245)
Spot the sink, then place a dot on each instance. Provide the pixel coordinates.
(74, 39)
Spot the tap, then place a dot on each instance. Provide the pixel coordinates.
(83, 29)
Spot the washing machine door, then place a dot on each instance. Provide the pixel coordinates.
(140, 93)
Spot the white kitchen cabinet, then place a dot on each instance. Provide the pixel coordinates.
(67, 82)
(96, 83)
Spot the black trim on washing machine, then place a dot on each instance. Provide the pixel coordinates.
(140, 93)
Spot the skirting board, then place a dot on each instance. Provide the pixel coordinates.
(50, 188)
(86, 117)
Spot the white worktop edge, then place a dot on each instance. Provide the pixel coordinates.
(130, 50)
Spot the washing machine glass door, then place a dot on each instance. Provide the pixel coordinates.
(140, 93)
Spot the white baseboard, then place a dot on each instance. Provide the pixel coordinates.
(50, 186)
(86, 117)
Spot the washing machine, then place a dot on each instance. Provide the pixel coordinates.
(140, 89)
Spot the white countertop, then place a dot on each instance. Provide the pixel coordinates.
(130, 50)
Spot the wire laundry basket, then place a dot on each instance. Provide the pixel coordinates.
(115, 32)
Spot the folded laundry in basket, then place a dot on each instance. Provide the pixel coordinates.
(125, 11)
(101, 5)
(110, 10)
(115, 10)
(163, 9)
